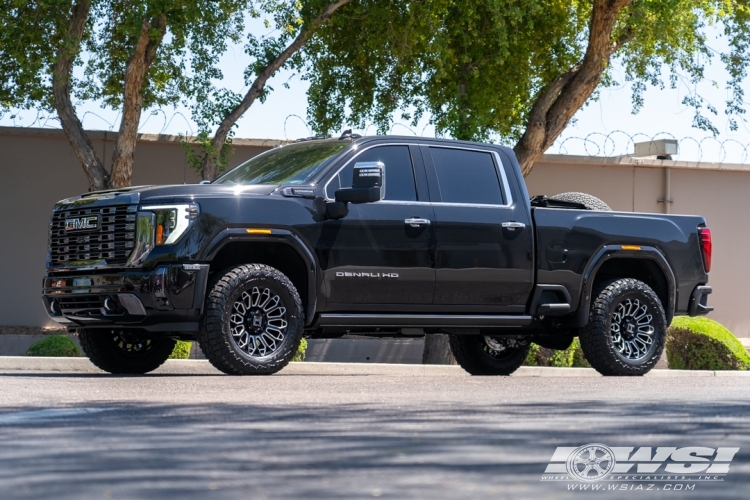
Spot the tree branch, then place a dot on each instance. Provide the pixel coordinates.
(555, 107)
(61, 74)
(210, 166)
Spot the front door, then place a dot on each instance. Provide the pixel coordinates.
(381, 253)
(484, 236)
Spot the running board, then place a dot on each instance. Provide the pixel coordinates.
(423, 320)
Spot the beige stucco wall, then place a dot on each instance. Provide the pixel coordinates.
(718, 195)
(38, 168)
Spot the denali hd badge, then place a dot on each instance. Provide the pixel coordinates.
(345, 274)
(82, 223)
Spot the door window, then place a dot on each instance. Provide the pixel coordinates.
(399, 174)
(467, 176)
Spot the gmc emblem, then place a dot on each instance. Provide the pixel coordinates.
(82, 223)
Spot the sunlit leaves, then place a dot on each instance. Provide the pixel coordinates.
(476, 68)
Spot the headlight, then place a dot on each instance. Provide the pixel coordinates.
(171, 221)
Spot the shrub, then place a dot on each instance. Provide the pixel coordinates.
(570, 357)
(181, 350)
(300, 355)
(54, 346)
(704, 344)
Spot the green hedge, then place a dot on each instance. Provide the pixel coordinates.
(181, 350)
(54, 346)
(570, 357)
(703, 344)
(300, 356)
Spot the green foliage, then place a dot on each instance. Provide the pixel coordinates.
(300, 354)
(201, 146)
(704, 344)
(477, 67)
(181, 350)
(54, 346)
(32, 33)
(570, 357)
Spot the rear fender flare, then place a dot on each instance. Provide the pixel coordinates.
(609, 252)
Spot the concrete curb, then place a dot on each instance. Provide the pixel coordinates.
(203, 367)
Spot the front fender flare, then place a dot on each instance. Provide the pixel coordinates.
(230, 235)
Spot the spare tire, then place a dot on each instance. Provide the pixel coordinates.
(590, 202)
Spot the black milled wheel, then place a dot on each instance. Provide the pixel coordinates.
(123, 352)
(485, 355)
(626, 330)
(253, 321)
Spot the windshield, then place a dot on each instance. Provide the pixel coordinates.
(292, 164)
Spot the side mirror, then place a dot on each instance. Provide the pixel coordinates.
(368, 184)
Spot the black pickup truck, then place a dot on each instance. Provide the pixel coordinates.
(383, 236)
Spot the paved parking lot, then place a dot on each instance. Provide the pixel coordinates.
(356, 434)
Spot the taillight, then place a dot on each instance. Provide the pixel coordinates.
(706, 247)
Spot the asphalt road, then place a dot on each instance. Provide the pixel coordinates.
(332, 436)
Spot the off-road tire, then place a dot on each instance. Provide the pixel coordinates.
(109, 352)
(215, 336)
(470, 355)
(597, 339)
(590, 202)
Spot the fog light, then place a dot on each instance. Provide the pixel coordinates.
(110, 305)
(54, 308)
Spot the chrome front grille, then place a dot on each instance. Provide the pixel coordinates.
(73, 242)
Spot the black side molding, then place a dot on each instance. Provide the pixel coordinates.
(422, 320)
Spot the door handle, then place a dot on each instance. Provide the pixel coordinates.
(513, 225)
(416, 222)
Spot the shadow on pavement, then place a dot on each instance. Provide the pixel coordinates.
(346, 451)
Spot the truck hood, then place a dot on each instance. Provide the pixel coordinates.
(167, 194)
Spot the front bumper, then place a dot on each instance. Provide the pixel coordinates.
(166, 299)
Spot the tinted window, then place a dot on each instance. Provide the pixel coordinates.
(292, 164)
(467, 176)
(399, 175)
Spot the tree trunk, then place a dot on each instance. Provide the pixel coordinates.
(61, 73)
(211, 164)
(557, 104)
(437, 350)
(136, 69)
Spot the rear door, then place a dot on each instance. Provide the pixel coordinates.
(484, 237)
(381, 253)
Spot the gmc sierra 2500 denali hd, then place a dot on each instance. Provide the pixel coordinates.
(385, 236)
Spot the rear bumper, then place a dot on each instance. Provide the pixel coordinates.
(699, 301)
(166, 299)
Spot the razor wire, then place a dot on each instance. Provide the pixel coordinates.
(611, 144)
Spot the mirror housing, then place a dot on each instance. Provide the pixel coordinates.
(368, 184)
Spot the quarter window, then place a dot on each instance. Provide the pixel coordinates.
(399, 174)
(467, 176)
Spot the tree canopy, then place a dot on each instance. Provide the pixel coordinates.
(129, 55)
(513, 70)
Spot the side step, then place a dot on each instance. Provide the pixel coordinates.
(423, 320)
